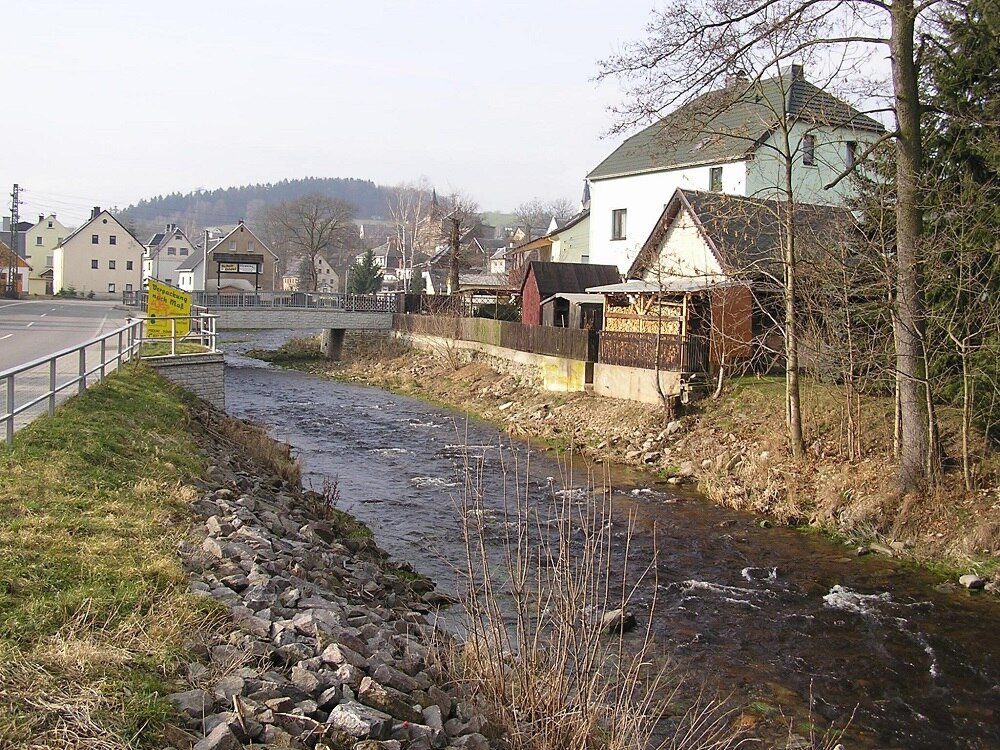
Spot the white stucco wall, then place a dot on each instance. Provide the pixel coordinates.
(767, 171)
(163, 265)
(72, 263)
(573, 245)
(684, 252)
(644, 197)
(51, 232)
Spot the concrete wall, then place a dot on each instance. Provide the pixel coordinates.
(204, 375)
(301, 319)
(555, 374)
(634, 383)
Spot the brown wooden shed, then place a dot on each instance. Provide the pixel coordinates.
(543, 280)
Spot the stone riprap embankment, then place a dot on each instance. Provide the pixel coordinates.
(324, 645)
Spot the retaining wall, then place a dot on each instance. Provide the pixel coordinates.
(634, 383)
(204, 375)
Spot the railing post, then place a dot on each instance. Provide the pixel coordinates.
(10, 409)
(104, 356)
(81, 383)
(118, 359)
(173, 336)
(52, 386)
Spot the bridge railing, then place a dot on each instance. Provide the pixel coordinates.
(383, 303)
(37, 386)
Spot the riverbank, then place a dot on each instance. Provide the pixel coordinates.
(732, 449)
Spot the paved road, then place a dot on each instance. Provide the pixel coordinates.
(33, 329)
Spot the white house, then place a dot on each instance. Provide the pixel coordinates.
(40, 243)
(165, 252)
(735, 149)
(327, 280)
(101, 257)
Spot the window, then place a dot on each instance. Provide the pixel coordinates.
(852, 153)
(250, 246)
(168, 280)
(585, 259)
(128, 287)
(38, 240)
(111, 265)
(128, 265)
(618, 223)
(94, 239)
(48, 261)
(715, 179)
(114, 239)
(232, 244)
(809, 150)
(59, 241)
(171, 251)
(184, 251)
(93, 263)
(50, 225)
(111, 287)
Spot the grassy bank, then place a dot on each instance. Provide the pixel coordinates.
(734, 448)
(93, 600)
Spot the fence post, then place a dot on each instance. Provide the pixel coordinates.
(52, 386)
(10, 409)
(81, 381)
(173, 336)
(104, 357)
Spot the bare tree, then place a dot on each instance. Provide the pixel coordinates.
(692, 46)
(409, 207)
(311, 227)
(537, 213)
(461, 213)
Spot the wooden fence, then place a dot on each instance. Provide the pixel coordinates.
(631, 349)
(570, 343)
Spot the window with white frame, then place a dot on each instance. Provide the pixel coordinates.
(113, 239)
(94, 263)
(111, 287)
(850, 158)
(715, 179)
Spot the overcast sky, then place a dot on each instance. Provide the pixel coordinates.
(118, 101)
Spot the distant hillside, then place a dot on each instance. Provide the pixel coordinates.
(204, 208)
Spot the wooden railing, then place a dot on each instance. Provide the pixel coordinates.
(640, 350)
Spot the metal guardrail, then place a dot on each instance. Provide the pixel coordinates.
(384, 303)
(46, 379)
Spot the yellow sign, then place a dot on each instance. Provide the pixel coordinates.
(165, 302)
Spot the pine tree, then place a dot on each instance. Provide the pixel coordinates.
(365, 275)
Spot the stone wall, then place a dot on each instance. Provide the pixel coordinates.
(204, 375)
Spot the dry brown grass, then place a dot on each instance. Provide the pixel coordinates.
(260, 447)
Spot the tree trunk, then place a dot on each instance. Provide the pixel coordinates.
(909, 327)
(793, 399)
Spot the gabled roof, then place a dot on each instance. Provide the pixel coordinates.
(193, 260)
(743, 234)
(548, 239)
(551, 278)
(82, 228)
(5, 256)
(728, 124)
(241, 227)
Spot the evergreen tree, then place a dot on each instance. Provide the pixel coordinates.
(365, 275)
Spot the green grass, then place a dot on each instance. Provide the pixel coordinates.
(162, 348)
(93, 602)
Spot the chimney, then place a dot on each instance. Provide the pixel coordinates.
(94, 212)
(41, 218)
(738, 77)
(798, 74)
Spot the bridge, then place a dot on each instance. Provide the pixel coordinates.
(333, 314)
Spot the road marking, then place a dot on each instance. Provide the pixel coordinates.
(6, 337)
(43, 315)
(30, 324)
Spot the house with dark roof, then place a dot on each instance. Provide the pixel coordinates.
(235, 263)
(101, 257)
(707, 281)
(726, 141)
(165, 253)
(543, 280)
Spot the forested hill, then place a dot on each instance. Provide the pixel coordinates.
(228, 205)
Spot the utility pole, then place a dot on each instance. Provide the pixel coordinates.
(11, 290)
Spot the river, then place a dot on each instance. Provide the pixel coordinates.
(768, 614)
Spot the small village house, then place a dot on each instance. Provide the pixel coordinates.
(726, 141)
(237, 263)
(11, 265)
(165, 253)
(101, 257)
(323, 279)
(40, 242)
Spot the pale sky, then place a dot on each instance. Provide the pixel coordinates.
(118, 101)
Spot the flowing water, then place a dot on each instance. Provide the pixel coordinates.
(769, 614)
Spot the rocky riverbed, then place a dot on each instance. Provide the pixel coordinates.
(326, 642)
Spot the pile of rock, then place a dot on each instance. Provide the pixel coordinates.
(325, 645)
